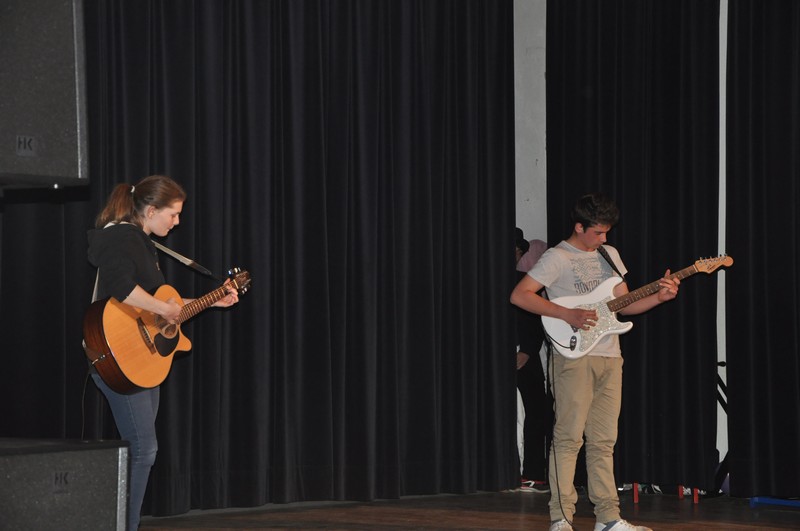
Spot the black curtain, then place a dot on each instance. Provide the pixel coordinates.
(763, 160)
(356, 157)
(632, 111)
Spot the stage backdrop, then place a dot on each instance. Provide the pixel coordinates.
(764, 208)
(632, 101)
(632, 111)
(357, 158)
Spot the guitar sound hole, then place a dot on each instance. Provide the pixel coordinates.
(170, 330)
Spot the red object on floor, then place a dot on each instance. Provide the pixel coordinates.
(695, 494)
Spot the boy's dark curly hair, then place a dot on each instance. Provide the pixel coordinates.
(595, 209)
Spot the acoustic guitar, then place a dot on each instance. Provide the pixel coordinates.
(132, 349)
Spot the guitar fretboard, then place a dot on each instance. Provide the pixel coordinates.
(619, 303)
(198, 305)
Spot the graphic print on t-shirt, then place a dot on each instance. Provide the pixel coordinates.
(588, 273)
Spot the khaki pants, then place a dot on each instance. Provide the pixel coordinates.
(588, 394)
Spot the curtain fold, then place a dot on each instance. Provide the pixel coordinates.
(356, 157)
(632, 105)
(763, 163)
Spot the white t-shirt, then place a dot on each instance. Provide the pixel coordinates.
(565, 270)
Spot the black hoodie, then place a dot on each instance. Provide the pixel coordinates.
(126, 257)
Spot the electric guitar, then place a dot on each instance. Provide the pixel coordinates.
(131, 348)
(574, 342)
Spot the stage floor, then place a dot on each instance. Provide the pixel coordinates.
(512, 510)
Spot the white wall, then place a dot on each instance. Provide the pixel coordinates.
(529, 102)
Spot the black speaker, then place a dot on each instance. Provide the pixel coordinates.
(63, 485)
(43, 130)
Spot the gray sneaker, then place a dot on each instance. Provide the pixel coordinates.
(560, 525)
(619, 525)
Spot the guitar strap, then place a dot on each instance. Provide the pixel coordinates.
(96, 282)
(186, 261)
(604, 254)
(179, 257)
(94, 354)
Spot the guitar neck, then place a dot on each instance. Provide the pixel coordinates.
(198, 305)
(645, 291)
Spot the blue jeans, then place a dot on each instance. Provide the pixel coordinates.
(135, 416)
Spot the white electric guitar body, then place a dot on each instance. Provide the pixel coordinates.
(575, 343)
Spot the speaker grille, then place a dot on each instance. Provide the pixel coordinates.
(43, 104)
(62, 485)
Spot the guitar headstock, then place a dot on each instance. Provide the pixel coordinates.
(709, 265)
(240, 279)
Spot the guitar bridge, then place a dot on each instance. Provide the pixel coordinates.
(145, 333)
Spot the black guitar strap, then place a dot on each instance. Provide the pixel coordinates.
(604, 254)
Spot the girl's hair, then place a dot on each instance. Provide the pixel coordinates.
(129, 202)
